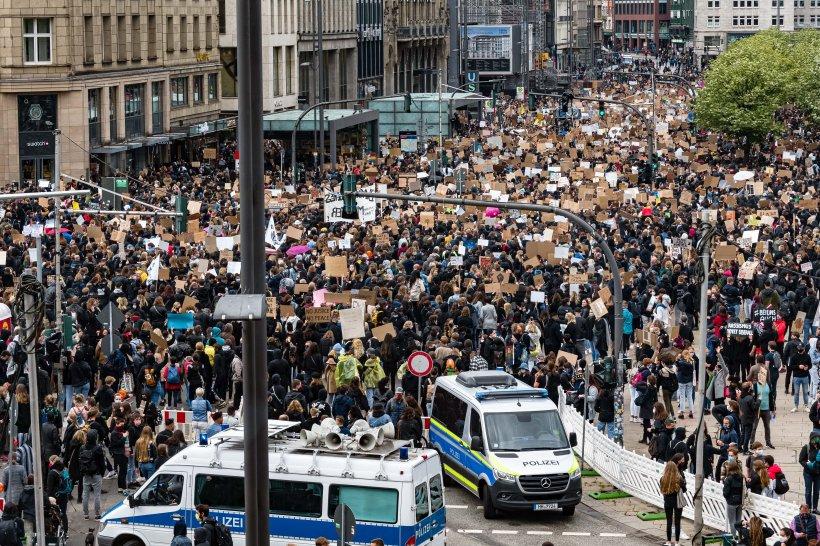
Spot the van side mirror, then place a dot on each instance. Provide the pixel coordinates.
(132, 501)
(476, 444)
(573, 439)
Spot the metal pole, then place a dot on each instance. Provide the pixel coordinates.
(704, 245)
(654, 121)
(121, 196)
(440, 124)
(58, 289)
(34, 401)
(454, 65)
(252, 277)
(120, 212)
(38, 194)
(321, 69)
(55, 184)
(586, 406)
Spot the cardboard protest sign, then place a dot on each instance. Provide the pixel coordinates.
(318, 315)
(738, 329)
(351, 323)
(570, 357)
(272, 307)
(336, 266)
(379, 332)
(335, 297)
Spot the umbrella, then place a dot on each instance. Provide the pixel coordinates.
(295, 250)
(491, 212)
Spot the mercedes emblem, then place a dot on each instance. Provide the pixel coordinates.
(545, 483)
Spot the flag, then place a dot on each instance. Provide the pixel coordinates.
(153, 270)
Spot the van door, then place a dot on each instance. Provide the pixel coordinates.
(159, 505)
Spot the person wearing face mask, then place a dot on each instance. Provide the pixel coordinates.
(785, 537)
(727, 436)
(799, 366)
(733, 492)
(806, 527)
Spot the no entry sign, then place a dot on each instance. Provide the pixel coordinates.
(420, 364)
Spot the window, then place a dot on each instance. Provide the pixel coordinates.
(296, 498)
(94, 136)
(713, 4)
(422, 502)
(342, 73)
(112, 112)
(277, 88)
(372, 504)
(800, 20)
(776, 2)
(152, 37)
(134, 111)
(290, 498)
(198, 84)
(449, 411)
(169, 34)
(777, 21)
(220, 16)
(800, 3)
(136, 38)
(475, 424)
(713, 21)
(520, 431)
(209, 32)
(229, 71)
(289, 54)
(212, 91)
(436, 493)
(88, 32)
(179, 92)
(157, 111)
(183, 33)
(164, 490)
(37, 41)
(122, 50)
(106, 39)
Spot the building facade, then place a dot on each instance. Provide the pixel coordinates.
(682, 22)
(641, 25)
(578, 34)
(370, 45)
(279, 54)
(120, 79)
(339, 58)
(416, 45)
(718, 23)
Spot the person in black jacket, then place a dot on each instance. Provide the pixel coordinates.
(733, 487)
(54, 487)
(118, 440)
(673, 487)
(647, 396)
(605, 409)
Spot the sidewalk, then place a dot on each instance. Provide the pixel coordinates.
(790, 431)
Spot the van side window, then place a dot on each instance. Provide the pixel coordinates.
(221, 492)
(164, 490)
(449, 411)
(422, 506)
(374, 504)
(436, 498)
(475, 424)
(296, 498)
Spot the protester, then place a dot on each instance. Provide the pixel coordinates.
(673, 489)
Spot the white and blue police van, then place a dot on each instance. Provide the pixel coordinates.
(395, 491)
(504, 441)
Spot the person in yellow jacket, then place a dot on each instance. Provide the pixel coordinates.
(373, 373)
(347, 367)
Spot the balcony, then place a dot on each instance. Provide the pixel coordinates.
(421, 31)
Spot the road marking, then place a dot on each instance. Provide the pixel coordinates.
(540, 533)
(575, 534)
(618, 535)
(504, 532)
(457, 506)
(471, 531)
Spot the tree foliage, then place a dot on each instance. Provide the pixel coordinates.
(757, 76)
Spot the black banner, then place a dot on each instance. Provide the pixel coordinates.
(36, 144)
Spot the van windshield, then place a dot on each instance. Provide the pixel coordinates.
(525, 431)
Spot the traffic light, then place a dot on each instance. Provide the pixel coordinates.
(68, 331)
(350, 211)
(494, 97)
(601, 109)
(408, 102)
(531, 101)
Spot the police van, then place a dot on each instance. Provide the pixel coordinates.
(504, 441)
(394, 490)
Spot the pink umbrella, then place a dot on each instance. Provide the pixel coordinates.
(295, 250)
(492, 212)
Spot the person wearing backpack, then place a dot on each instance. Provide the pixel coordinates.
(92, 465)
(808, 459)
(781, 484)
(59, 486)
(172, 379)
(218, 534)
(12, 530)
(193, 377)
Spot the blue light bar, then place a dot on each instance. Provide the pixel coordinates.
(511, 393)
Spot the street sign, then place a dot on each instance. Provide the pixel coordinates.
(345, 523)
(112, 318)
(420, 364)
(472, 81)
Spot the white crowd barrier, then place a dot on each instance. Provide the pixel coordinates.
(639, 476)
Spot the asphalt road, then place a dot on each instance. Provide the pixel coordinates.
(466, 525)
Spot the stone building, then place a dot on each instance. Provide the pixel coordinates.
(123, 81)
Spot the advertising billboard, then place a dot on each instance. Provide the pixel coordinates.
(493, 49)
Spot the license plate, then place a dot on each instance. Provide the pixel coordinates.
(549, 506)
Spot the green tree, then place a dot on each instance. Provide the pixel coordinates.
(757, 76)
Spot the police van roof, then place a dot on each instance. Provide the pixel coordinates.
(490, 385)
(288, 454)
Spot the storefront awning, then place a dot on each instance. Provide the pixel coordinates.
(107, 150)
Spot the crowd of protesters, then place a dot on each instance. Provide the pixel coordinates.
(477, 289)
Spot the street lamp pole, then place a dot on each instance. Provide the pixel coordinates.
(252, 276)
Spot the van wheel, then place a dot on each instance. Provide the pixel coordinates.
(568, 510)
(490, 511)
(132, 542)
